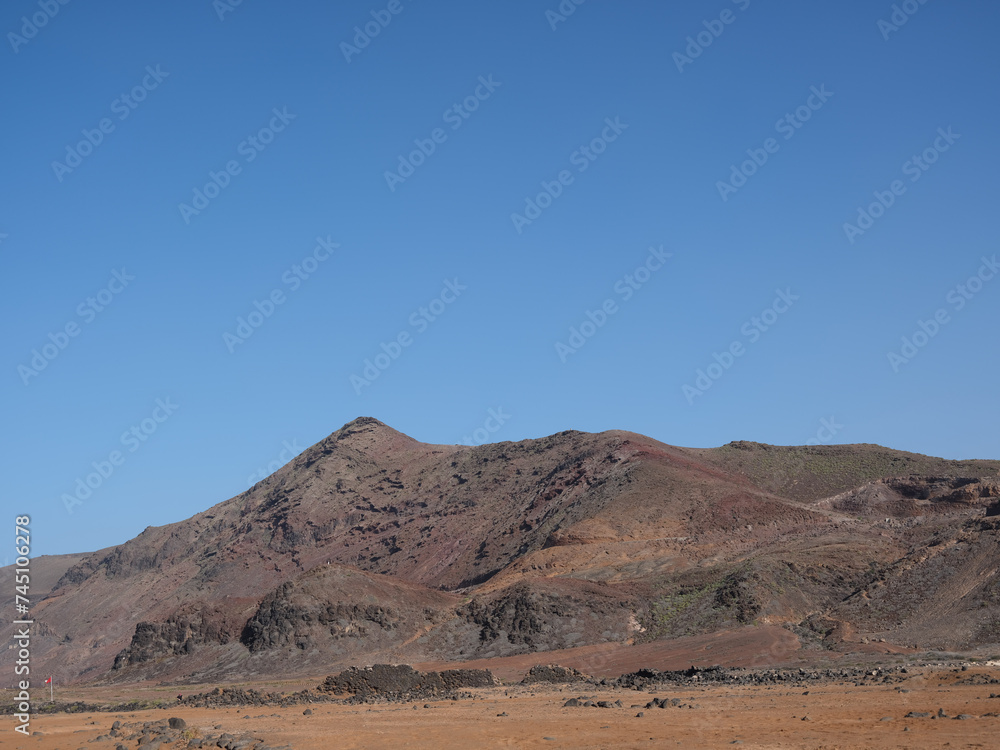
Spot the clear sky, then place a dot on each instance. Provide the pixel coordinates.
(228, 229)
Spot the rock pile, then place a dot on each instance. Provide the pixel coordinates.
(648, 678)
(403, 682)
(585, 702)
(222, 697)
(151, 735)
(553, 673)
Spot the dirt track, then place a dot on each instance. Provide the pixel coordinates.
(839, 716)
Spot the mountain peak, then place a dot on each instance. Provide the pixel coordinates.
(369, 433)
(363, 424)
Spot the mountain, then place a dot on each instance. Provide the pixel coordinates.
(371, 546)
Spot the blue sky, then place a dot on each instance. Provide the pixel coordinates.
(695, 243)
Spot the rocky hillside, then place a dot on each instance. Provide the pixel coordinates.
(372, 547)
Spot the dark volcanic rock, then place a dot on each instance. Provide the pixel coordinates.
(584, 702)
(276, 621)
(553, 673)
(647, 678)
(404, 682)
(520, 614)
(538, 618)
(222, 697)
(180, 634)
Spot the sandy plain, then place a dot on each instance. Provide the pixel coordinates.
(828, 715)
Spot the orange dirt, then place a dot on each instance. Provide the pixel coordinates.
(839, 716)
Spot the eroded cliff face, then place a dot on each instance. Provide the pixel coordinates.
(278, 623)
(545, 617)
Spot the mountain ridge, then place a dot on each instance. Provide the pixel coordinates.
(550, 543)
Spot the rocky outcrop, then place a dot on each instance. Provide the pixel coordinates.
(915, 495)
(520, 615)
(180, 634)
(278, 622)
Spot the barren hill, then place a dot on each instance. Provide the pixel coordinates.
(371, 546)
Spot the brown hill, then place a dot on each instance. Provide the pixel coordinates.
(371, 546)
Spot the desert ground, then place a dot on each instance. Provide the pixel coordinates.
(961, 707)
